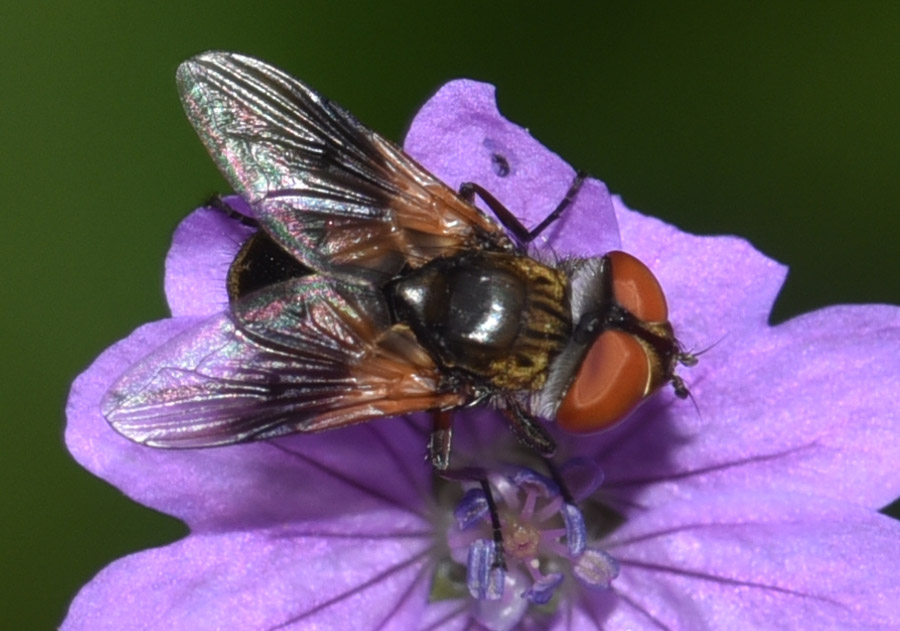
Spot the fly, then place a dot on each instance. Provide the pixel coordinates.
(371, 289)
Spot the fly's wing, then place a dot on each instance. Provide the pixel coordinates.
(336, 195)
(304, 355)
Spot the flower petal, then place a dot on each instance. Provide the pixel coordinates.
(718, 288)
(260, 580)
(348, 476)
(461, 137)
(203, 248)
(755, 561)
(812, 405)
(447, 615)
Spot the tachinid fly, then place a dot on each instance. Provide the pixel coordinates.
(371, 289)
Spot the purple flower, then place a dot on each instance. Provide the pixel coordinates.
(756, 511)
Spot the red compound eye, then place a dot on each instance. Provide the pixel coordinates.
(612, 380)
(636, 288)
(620, 369)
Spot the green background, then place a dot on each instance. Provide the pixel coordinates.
(778, 123)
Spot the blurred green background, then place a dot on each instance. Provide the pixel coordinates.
(777, 122)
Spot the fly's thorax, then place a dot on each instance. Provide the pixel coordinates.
(498, 316)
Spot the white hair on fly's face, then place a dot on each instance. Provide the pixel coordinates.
(585, 292)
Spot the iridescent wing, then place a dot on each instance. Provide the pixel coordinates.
(304, 355)
(336, 195)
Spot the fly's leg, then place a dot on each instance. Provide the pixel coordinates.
(217, 203)
(440, 440)
(524, 236)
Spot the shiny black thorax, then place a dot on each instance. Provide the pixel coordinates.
(496, 316)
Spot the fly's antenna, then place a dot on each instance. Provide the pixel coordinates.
(696, 354)
(682, 391)
(691, 358)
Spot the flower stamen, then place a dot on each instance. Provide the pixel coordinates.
(533, 522)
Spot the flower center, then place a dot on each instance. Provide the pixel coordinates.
(521, 539)
(520, 535)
